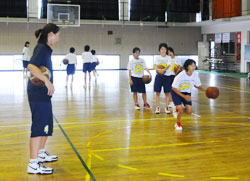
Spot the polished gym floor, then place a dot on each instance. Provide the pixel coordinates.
(98, 134)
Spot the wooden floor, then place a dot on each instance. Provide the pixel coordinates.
(100, 127)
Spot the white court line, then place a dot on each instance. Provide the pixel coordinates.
(197, 115)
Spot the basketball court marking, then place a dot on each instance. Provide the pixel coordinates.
(225, 178)
(129, 168)
(75, 150)
(171, 175)
(188, 119)
(92, 152)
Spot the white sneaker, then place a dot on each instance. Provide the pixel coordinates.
(137, 106)
(178, 127)
(38, 168)
(167, 110)
(157, 110)
(175, 114)
(171, 105)
(46, 157)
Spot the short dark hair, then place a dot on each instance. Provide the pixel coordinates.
(163, 45)
(72, 50)
(27, 42)
(86, 48)
(171, 49)
(42, 34)
(187, 63)
(93, 52)
(136, 49)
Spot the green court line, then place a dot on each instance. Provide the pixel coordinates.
(76, 152)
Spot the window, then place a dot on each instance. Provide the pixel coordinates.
(14, 62)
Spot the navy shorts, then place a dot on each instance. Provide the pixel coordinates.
(93, 65)
(71, 69)
(25, 63)
(138, 85)
(42, 119)
(163, 81)
(178, 100)
(87, 67)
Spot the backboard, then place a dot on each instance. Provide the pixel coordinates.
(64, 15)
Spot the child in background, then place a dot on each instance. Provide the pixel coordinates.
(87, 58)
(136, 67)
(26, 58)
(95, 62)
(71, 67)
(161, 79)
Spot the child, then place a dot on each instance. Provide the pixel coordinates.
(71, 65)
(161, 79)
(136, 67)
(182, 87)
(174, 69)
(40, 100)
(87, 59)
(26, 57)
(95, 62)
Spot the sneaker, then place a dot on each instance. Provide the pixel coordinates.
(167, 110)
(178, 126)
(175, 114)
(137, 106)
(147, 106)
(46, 157)
(157, 110)
(171, 105)
(38, 168)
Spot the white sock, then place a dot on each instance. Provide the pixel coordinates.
(32, 161)
(41, 151)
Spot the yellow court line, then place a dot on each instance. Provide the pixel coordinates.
(14, 134)
(225, 178)
(129, 168)
(171, 175)
(141, 120)
(135, 120)
(169, 145)
(158, 146)
(87, 177)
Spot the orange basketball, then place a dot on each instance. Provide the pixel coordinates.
(37, 82)
(212, 92)
(146, 79)
(160, 66)
(177, 69)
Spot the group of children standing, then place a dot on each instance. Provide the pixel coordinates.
(177, 88)
(90, 61)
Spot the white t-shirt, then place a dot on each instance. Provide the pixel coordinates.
(95, 59)
(173, 62)
(185, 83)
(26, 54)
(72, 58)
(159, 60)
(87, 57)
(137, 67)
